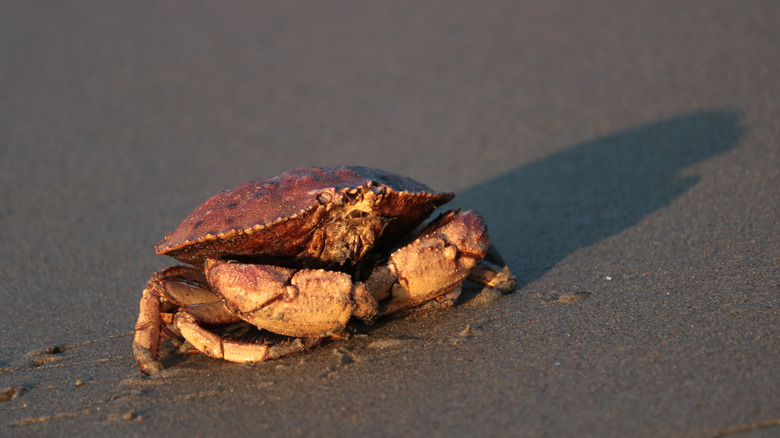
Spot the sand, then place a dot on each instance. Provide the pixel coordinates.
(625, 156)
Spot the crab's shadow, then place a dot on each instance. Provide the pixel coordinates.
(543, 211)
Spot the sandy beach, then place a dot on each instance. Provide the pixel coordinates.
(625, 156)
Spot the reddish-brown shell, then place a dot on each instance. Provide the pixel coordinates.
(278, 217)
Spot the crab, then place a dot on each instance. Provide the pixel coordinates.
(295, 258)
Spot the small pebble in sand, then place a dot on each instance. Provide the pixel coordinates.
(129, 416)
(468, 331)
(10, 393)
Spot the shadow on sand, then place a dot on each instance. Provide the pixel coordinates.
(541, 212)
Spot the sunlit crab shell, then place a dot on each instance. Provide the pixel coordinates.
(334, 215)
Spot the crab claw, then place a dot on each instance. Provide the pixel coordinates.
(309, 303)
(434, 265)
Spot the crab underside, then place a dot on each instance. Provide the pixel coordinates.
(353, 262)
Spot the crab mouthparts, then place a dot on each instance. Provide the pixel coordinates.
(348, 235)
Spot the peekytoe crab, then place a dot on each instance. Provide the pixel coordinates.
(297, 256)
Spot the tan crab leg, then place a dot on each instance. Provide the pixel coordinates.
(215, 346)
(433, 265)
(491, 273)
(147, 331)
(494, 277)
(165, 292)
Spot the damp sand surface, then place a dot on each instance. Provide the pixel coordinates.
(624, 155)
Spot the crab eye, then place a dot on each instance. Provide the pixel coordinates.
(324, 197)
(377, 188)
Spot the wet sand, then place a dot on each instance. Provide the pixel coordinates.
(625, 157)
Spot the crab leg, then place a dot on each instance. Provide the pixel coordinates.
(166, 292)
(491, 273)
(215, 346)
(494, 277)
(147, 331)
